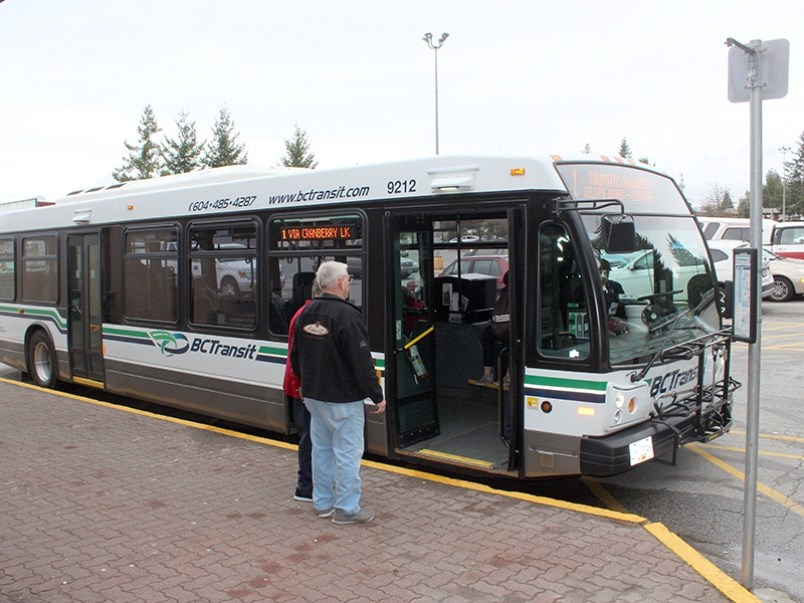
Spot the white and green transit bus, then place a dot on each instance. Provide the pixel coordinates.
(178, 291)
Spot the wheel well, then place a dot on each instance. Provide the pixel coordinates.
(32, 330)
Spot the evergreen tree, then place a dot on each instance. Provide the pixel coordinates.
(726, 204)
(143, 160)
(744, 206)
(224, 149)
(297, 151)
(625, 150)
(772, 191)
(182, 154)
(795, 180)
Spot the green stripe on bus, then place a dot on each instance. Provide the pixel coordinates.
(40, 312)
(265, 349)
(126, 332)
(543, 381)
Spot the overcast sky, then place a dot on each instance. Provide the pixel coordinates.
(518, 76)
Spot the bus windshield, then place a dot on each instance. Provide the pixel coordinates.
(662, 293)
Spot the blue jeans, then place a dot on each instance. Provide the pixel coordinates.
(337, 431)
(301, 417)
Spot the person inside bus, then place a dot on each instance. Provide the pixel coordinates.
(412, 310)
(495, 336)
(616, 310)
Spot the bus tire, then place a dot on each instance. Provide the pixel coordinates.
(42, 360)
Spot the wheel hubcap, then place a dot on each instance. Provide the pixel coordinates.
(42, 365)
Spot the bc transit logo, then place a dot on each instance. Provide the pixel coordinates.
(170, 343)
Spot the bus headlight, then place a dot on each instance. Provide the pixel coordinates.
(627, 404)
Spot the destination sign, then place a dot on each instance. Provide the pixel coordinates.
(640, 190)
(315, 233)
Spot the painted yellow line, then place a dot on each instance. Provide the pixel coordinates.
(763, 488)
(771, 436)
(541, 500)
(455, 457)
(784, 348)
(695, 560)
(150, 415)
(725, 584)
(603, 495)
(780, 455)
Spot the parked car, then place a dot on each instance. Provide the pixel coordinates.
(735, 229)
(636, 272)
(723, 257)
(788, 276)
(408, 266)
(493, 265)
(788, 240)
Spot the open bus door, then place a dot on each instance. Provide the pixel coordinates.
(85, 316)
(412, 342)
(435, 355)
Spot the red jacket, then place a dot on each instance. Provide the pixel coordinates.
(291, 384)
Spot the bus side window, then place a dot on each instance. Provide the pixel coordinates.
(563, 320)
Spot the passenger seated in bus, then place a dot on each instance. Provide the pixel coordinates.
(495, 336)
(412, 310)
(616, 310)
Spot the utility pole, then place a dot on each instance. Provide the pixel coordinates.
(428, 39)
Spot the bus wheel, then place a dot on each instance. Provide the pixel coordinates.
(42, 360)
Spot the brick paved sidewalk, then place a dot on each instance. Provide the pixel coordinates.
(102, 505)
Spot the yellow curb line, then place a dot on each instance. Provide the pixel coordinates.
(709, 571)
(705, 568)
(774, 495)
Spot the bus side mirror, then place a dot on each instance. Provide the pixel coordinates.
(619, 233)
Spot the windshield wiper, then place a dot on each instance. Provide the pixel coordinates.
(677, 352)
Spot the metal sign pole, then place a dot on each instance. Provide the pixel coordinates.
(754, 349)
(757, 71)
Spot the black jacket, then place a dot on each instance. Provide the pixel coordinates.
(331, 353)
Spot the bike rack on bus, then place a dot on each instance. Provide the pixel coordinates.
(717, 418)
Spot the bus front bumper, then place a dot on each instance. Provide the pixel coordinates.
(657, 439)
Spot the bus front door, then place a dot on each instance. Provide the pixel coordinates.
(85, 322)
(413, 387)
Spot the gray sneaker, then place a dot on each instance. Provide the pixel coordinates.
(325, 512)
(362, 516)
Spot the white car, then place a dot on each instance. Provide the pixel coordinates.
(723, 257)
(788, 276)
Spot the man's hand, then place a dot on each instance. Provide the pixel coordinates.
(377, 409)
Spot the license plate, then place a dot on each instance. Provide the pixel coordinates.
(641, 450)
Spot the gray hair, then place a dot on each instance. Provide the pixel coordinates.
(315, 290)
(329, 273)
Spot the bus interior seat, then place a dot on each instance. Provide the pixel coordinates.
(302, 288)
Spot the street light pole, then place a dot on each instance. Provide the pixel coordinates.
(784, 181)
(428, 39)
